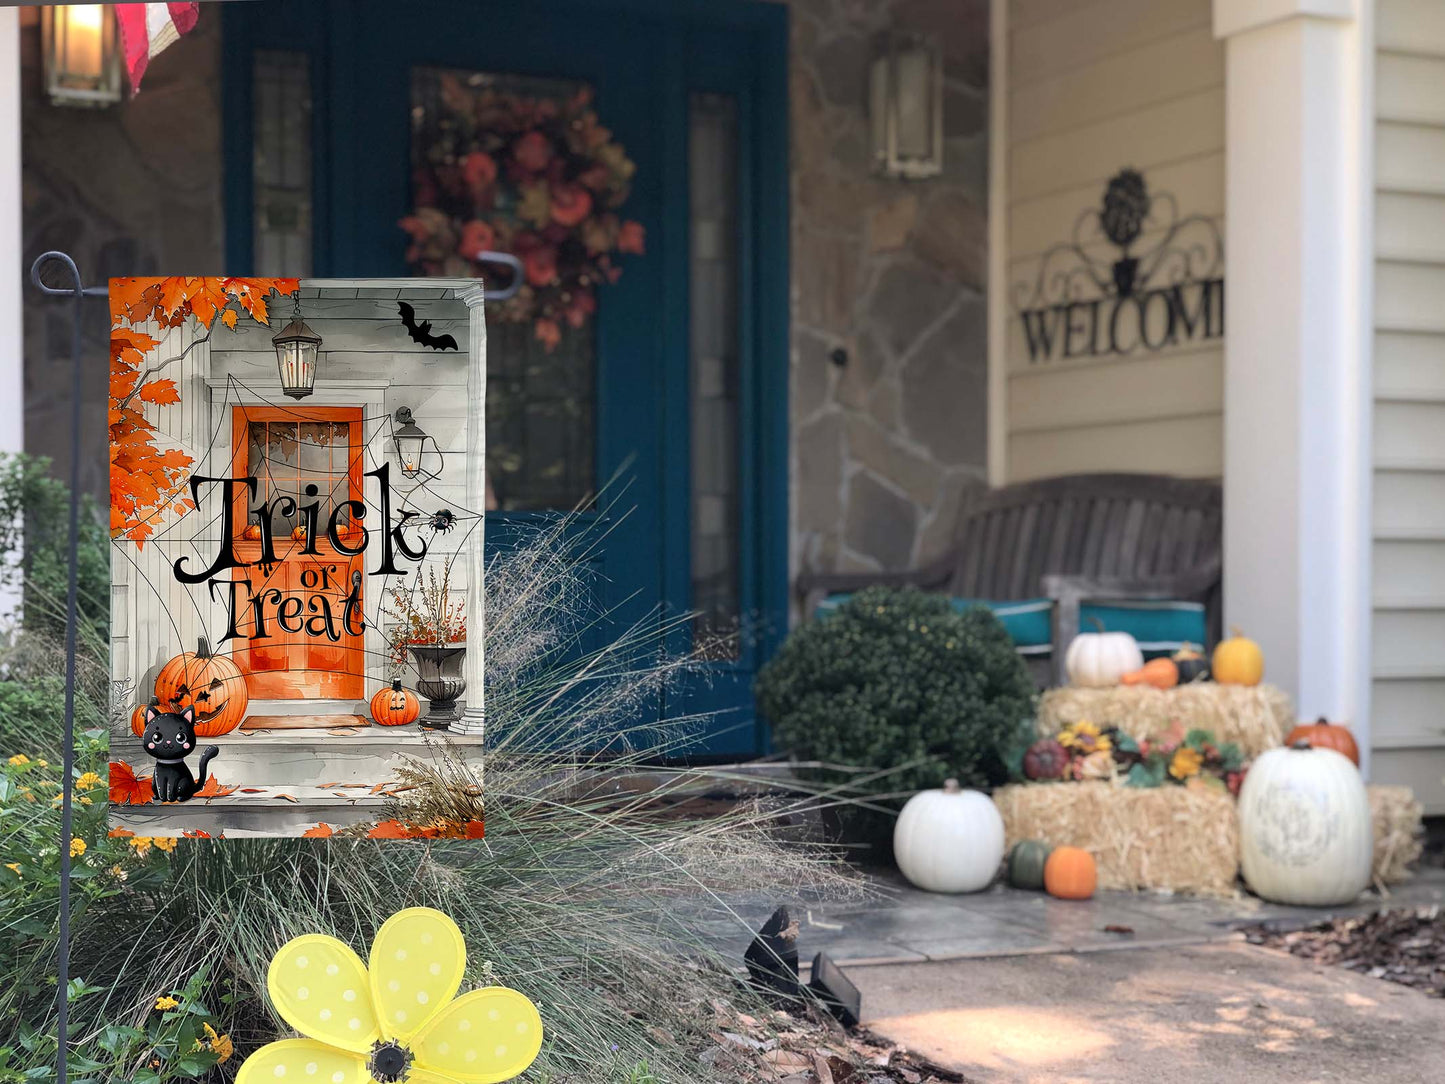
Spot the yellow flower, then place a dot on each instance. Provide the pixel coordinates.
(13, 867)
(1185, 762)
(400, 1008)
(164, 1003)
(18, 760)
(219, 1045)
(165, 843)
(77, 847)
(142, 844)
(42, 763)
(1084, 736)
(88, 780)
(85, 801)
(117, 872)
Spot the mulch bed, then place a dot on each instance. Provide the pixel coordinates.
(1404, 946)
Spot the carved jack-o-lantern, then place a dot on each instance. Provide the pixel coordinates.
(212, 684)
(395, 706)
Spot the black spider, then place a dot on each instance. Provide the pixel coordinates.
(443, 520)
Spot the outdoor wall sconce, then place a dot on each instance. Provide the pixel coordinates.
(411, 445)
(81, 55)
(296, 350)
(905, 106)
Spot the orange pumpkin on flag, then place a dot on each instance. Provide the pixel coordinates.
(395, 706)
(210, 683)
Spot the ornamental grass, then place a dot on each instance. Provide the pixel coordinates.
(583, 894)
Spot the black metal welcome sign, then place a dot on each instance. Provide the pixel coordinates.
(1151, 297)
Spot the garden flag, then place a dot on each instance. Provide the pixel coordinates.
(297, 532)
(146, 29)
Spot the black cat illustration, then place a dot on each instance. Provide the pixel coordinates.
(168, 738)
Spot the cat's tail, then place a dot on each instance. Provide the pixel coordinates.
(207, 755)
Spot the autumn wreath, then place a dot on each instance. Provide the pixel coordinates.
(537, 177)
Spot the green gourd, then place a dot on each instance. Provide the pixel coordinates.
(1026, 864)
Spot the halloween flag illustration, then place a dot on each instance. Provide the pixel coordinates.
(296, 541)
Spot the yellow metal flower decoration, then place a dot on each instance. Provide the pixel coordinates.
(395, 1020)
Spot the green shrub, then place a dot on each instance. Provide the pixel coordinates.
(35, 522)
(898, 681)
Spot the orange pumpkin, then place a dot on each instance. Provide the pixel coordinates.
(138, 718)
(298, 533)
(395, 706)
(252, 533)
(212, 684)
(1070, 874)
(1323, 734)
(1160, 673)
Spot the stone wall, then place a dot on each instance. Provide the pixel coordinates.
(133, 190)
(889, 360)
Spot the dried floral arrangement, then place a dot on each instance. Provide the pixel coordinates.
(425, 612)
(1083, 750)
(537, 177)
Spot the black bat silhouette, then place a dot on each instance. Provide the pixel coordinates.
(421, 333)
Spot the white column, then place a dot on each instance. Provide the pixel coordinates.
(13, 273)
(474, 669)
(1296, 383)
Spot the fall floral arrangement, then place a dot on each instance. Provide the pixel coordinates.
(1083, 750)
(425, 613)
(537, 177)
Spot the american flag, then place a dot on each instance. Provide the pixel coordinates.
(146, 29)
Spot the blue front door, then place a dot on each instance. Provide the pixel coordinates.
(671, 400)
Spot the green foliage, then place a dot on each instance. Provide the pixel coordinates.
(548, 903)
(898, 681)
(35, 522)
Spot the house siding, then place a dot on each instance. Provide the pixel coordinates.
(1092, 89)
(1408, 519)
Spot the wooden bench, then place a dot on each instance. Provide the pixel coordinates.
(1073, 538)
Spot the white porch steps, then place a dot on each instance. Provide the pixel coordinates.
(290, 780)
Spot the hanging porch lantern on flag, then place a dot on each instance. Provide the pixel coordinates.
(296, 349)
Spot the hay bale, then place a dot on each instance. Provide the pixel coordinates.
(1398, 828)
(1156, 837)
(1256, 716)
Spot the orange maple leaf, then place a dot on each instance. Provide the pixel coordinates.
(126, 788)
(196, 833)
(321, 831)
(214, 789)
(160, 392)
(389, 829)
(120, 833)
(474, 829)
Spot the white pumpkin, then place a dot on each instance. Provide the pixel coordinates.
(1306, 836)
(949, 840)
(1102, 658)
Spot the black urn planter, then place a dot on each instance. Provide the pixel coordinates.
(439, 679)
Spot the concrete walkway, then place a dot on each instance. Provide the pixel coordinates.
(1196, 1015)
(904, 925)
(1018, 987)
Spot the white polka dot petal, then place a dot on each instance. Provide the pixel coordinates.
(416, 966)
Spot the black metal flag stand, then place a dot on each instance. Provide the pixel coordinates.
(78, 292)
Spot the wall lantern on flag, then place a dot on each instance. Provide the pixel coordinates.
(905, 106)
(411, 445)
(296, 350)
(81, 54)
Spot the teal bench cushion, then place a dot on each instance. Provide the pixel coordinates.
(1161, 627)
